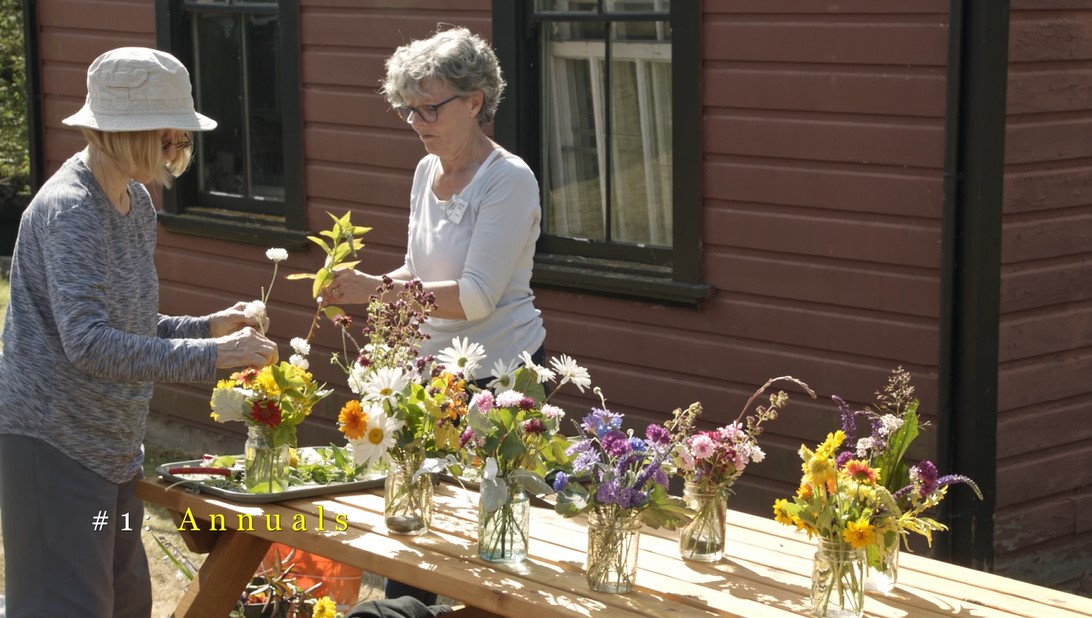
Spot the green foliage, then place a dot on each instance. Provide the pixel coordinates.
(14, 155)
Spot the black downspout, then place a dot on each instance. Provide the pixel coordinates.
(971, 274)
(33, 84)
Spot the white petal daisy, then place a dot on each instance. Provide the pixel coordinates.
(543, 374)
(569, 371)
(462, 357)
(385, 384)
(504, 374)
(379, 438)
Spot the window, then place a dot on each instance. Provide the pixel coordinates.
(603, 104)
(246, 179)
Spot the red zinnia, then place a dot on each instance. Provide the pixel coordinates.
(266, 413)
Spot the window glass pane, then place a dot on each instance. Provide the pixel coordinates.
(218, 60)
(566, 6)
(264, 108)
(573, 131)
(636, 6)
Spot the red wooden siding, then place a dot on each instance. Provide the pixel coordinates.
(1043, 530)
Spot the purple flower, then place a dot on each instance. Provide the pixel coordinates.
(637, 445)
(924, 475)
(843, 457)
(561, 481)
(600, 422)
(526, 403)
(615, 444)
(534, 427)
(586, 456)
(849, 425)
(657, 434)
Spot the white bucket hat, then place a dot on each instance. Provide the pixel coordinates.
(138, 89)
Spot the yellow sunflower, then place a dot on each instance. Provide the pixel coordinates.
(859, 534)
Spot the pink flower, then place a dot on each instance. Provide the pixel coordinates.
(702, 446)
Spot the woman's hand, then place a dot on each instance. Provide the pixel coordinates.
(234, 318)
(349, 286)
(244, 348)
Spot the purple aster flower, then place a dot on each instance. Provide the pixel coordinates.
(657, 434)
(561, 481)
(637, 445)
(609, 493)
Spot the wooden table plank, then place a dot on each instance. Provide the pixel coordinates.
(766, 574)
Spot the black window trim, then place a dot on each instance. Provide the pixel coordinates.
(557, 265)
(182, 213)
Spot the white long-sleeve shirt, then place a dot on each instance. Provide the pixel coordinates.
(483, 238)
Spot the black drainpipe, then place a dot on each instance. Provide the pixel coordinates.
(33, 86)
(971, 274)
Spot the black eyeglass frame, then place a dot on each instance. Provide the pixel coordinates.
(428, 113)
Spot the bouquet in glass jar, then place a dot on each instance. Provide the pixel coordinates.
(512, 437)
(892, 424)
(627, 488)
(272, 400)
(408, 407)
(710, 462)
(846, 507)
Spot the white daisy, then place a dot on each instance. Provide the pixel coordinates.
(276, 255)
(300, 361)
(379, 438)
(385, 384)
(301, 346)
(543, 374)
(571, 372)
(229, 404)
(462, 357)
(504, 374)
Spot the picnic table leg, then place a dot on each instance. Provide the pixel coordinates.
(222, 578)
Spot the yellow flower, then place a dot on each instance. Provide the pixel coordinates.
(860, 471)
(780, 516)
(859, 534)
(820, 471)
(324, 608)
(352, 421)
(831, 444)
(267, 383)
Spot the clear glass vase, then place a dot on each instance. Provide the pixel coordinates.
(614, 537)
(837, 580)
(407, 507)
(266, 462)
(883, 564)
(503, 533)
(702, 539)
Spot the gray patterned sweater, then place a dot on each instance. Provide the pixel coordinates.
(83, 338)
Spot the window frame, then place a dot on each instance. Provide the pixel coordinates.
(184, 210)
(670, 275)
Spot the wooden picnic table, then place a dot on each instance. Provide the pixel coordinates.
(766, 574)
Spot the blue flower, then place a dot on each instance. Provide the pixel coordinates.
(600, 422)
(561, 481)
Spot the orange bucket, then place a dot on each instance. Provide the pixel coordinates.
(336, 580)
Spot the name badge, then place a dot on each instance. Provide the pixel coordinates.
(455, 209)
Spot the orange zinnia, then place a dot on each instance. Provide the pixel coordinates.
(352, 421)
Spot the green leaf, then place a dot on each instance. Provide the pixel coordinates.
(572, 500)
(533, 483)
(322, 278)
(322, 243)
(332, 312)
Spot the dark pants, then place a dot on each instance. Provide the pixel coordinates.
(396, 589)
(58, 563)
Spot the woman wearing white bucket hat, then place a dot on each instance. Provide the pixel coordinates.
(84, 341)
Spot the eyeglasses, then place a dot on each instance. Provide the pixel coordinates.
(428, 113)
(179, 145)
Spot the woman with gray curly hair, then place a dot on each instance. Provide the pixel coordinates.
(474, 207)
(474, 213)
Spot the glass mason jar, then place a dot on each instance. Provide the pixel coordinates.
(503, 533)
(266, 463)
(702, 539)
(837, 580)
(883, 564)
(613, 541)
(407, 507)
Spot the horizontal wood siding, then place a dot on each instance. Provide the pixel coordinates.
(1044, 476)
